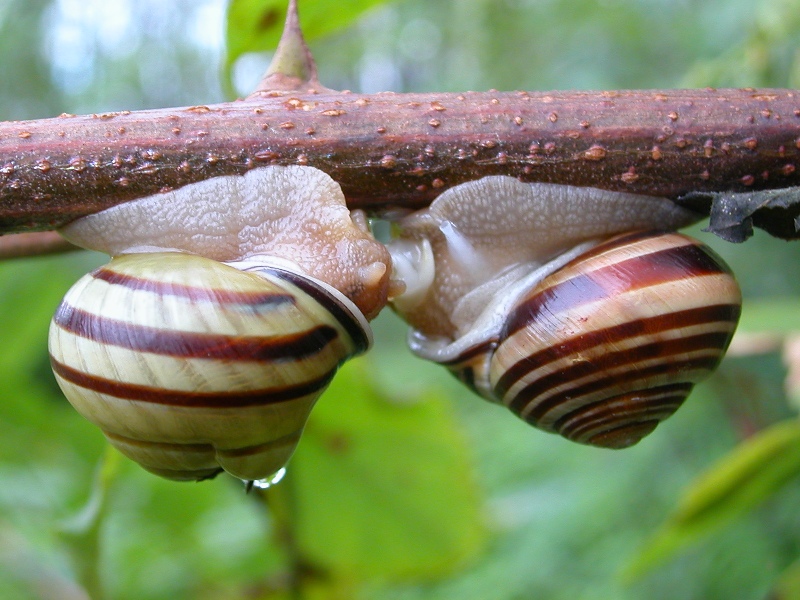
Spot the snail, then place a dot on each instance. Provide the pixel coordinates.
(563, 304)
(224, 313)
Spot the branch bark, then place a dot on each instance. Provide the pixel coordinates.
(393, 151)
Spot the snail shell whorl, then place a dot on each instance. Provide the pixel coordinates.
(612, 343)
(190, 366)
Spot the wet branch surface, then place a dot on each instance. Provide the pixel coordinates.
(399, 151)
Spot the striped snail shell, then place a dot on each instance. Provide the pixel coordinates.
(224, 314)
(576, 327)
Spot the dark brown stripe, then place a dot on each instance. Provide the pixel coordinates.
(323, 297)
(631, 238)
(198, 448)
(622, 436)
(164, 446)
(670, 264)
(141, 393)
(638, 405)
(186, 344)
(194, 293)
(524, 398)
(290, 439)
(183, 475)
(471, 353)
(655, 413)
(664, 350)
(721, 313)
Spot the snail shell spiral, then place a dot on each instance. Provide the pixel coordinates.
(540, 298)
(612, 343)
(190, 366)
(223, 315)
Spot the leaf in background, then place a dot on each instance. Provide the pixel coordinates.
(81, 533)
(752, 472)
(380, 489)
(788, 585)
(256, 25)
(777, 315)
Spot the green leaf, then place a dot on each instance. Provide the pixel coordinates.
(81, 533)
(778, 315)
(256, 25)
(752, 472)
(381, 489)
(788, 585)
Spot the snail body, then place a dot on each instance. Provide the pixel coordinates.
(190, 364)
(598, 336)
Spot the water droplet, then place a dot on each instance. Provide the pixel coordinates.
(267, 482)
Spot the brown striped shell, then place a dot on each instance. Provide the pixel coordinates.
(512, 287)
(612, 343)
(190, 366)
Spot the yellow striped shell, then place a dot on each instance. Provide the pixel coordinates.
(190, 364)
(596, 340)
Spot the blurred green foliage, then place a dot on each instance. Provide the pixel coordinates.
(405, 487)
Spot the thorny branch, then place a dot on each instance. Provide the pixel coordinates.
(399, 151)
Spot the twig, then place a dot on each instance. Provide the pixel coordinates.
(393, 151)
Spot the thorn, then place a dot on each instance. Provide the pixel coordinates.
(292, 68)
(248, 485)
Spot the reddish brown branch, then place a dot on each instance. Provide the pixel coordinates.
(401, 150)
(17, 245)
